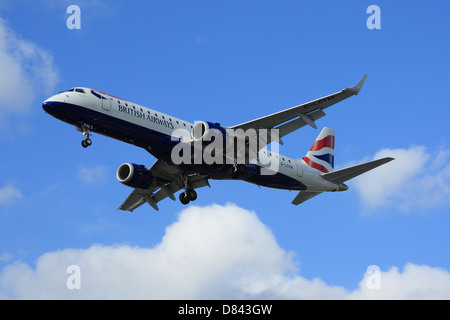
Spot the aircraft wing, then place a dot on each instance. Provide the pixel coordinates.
(136, 199)
(169, 175)
(292, 119)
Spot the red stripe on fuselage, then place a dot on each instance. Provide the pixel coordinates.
(327, 142)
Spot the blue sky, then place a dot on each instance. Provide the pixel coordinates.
(227, 62)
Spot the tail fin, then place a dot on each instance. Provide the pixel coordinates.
(321, 154)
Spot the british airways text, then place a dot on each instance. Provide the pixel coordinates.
(148, 117)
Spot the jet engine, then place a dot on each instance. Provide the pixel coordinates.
(205, 131)
(135, 176)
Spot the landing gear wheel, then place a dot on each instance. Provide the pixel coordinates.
(184, 198)
(86, 143)
(191, 194)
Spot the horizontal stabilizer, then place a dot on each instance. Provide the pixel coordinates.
(302, 196)
(343, 175)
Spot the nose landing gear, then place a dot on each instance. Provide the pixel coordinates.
(85, 130)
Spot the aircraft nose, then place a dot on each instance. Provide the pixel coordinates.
(48, 106)
(52, 106)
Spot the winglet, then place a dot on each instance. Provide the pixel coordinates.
(358, 87)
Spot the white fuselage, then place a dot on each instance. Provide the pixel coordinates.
(150, 129)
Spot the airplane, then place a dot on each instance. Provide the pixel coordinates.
(235, 153)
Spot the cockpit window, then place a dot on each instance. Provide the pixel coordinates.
(74, 89)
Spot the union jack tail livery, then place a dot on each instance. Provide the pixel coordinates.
(321, 154)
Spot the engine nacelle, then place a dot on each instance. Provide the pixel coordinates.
(205, 131)
(135, 176)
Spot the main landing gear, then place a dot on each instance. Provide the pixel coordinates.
(85, 130)
(189, 194)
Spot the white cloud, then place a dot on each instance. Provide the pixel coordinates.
(9, 194)
(214, 252)
(415, 282)
(415, 179)
(25, 70)
(91, 175)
